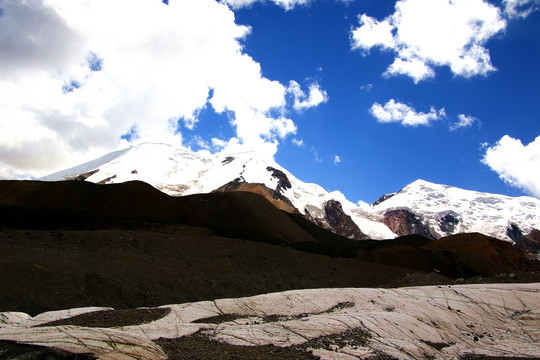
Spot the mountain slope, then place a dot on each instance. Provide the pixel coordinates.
(422, 208)
(179, 171)
(72, 243)
(446, 210)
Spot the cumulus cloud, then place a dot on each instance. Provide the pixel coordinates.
(286, 4)
(428, 33)
(72, 90)
(314, 97)
(401, 113)
(518, 165)
(463, 122)
(337, 159)
(520, 8)
(372, 33)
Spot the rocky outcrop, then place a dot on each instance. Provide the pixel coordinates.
(514, 232)
(530, 243)
(448, 223)
(340, 223)
(84, 176)
(404, 222)
(283, 180)
(383, 198)
(433, 322)
(275, 197)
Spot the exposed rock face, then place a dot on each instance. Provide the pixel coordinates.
(84, 176)
(415, 323)
(283, 180)
(530, 243)
(107, 180)
(341, 223)
(448, 223)
(227, 160)
(275, 197)
(514, 232)
(383, 198)
(404, 222)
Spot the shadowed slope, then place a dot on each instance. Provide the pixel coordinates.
(247, 215)
(463, 255)
(134, 204)
(474, 253)
(37, 204)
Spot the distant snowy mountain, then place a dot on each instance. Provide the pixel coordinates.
(445, 210)
(423, 208)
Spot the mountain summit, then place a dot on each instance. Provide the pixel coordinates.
(422, 208)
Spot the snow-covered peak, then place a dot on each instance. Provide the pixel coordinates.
(472, 211)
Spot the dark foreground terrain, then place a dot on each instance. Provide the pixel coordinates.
(75, 244)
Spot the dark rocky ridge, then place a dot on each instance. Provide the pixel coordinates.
(341, 223)
(383, 198)
(530, 243)
(283, 180)
(514, 232)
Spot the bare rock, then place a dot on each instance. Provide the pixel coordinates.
(283, 180)
(530, 243)
(341, 223)
(404, 222)
(431, 322)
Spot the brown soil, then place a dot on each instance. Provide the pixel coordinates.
(62, 269)
(113, 318)
(201, 348)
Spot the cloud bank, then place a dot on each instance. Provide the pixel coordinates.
(401, 113)
(518, 165)
(78, 76)
(424, 34)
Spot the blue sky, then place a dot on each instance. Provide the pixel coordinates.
(361, 96)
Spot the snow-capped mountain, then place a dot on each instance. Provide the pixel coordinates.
(444, 210)
(422, 208)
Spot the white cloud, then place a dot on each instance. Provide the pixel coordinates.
(415, 68)
(286, 4)
(520, 8)
(200, 142)
(428, 33)
(463, 121)
(71, 89)
(518, 165)
(218, 143)
(297, 142)
(366, 87)
(337, 160)
(372, 33)
(315, 96)
(401, 113)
